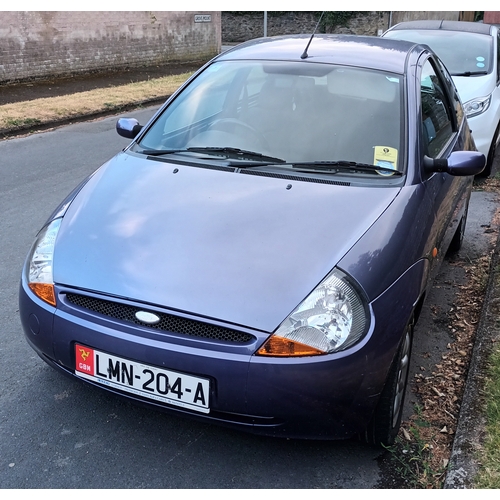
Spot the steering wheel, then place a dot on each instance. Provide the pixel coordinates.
(228, 125)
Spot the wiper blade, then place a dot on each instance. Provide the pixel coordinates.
(228, 151)
(470, 73)
(160, 152)
(338, 165)
(239, 153)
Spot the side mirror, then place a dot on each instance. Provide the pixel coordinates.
(459, 163)
(128, 127)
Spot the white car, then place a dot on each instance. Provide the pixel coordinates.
(471, 53)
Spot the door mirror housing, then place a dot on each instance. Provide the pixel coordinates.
(128, 127)
(460, 163)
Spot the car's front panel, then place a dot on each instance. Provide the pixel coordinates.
(317, 396)
(326, 396)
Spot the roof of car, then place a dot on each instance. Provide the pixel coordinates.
(362, 51)
(466, 26)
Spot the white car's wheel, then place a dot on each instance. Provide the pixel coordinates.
(491, 154)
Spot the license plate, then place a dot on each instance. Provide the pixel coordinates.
(151, 382)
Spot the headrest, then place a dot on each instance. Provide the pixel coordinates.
(362, 84)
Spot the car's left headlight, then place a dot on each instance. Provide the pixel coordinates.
(332, 318)
(40, 263)
(477, 106)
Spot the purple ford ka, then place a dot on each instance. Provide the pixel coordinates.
(259, 254)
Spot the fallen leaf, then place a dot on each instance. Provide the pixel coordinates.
(406, 434)
(440, 394)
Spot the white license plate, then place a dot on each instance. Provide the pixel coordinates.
(167, 386)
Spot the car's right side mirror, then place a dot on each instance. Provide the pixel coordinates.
(459, 163)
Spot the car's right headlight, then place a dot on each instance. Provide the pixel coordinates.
(477, 106)
(40, 263)
(332, 318)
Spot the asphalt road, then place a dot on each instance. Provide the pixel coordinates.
(58, 433)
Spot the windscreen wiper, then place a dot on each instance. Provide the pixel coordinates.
(160, 152)
(236, 153)
(470, 73)
(339, 165)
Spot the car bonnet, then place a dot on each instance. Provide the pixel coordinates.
(470, 87)
(245, 249)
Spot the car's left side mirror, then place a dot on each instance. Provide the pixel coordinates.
(128, 127)
(458, 163)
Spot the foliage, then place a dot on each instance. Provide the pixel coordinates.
(22, 122)
(489, 474)
(334, 18)
(411, 456)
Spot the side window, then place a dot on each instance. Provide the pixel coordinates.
(455, 100)
(437, 124)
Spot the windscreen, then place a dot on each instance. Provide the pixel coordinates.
(295, 111)
(461, 52)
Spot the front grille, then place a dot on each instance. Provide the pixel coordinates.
(168, 322)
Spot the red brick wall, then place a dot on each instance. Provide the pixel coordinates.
(40, 44)
(492, 17)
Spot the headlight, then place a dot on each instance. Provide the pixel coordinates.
(39, 272)
(477, 106)
(332, 318)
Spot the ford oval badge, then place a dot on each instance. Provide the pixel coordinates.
(147, 317)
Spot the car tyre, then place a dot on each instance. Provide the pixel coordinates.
(458, 237)
(386, 420)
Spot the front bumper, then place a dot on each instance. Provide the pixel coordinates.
(483, 128)
(321, 397)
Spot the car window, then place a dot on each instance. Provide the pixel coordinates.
(456, 102)
(437, 124)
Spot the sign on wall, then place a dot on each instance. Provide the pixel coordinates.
(202, 18)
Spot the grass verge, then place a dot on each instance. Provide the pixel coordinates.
(53, 109)
(412, 455)
(489, 474)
